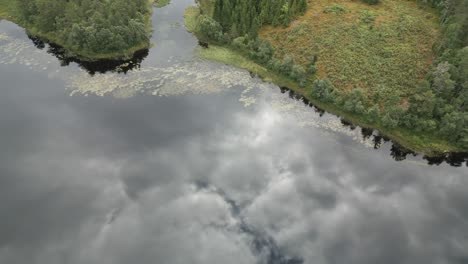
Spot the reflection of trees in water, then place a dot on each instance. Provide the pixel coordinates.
(454, 159)
(397, 152)
(92, 67)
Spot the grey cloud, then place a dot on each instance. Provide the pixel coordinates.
(203, 179)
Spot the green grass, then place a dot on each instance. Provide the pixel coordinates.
(191, 14)
(229, 56)
(161, 3)
(8, 9)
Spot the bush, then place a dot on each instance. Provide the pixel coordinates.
(264, 52)
(354, 102)
(287, 65)
(392, 116)
(334, 9)
(389, 122)
(373, 114)
(323, 90)
(298, 74)
(367, 17)
(240, 43)
(312, 69)
(210, 29)
(274, 64)
(453, 124)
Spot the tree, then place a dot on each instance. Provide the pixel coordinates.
(442, 83)
(373, 114)
(462, 58)
(210, 28)
(287, 65)
(322, 89)
(389, 121)
(354, 102)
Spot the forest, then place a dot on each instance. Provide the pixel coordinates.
(92, 28)
(429, 101)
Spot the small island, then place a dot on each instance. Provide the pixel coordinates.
(88, 29)
(398, 66)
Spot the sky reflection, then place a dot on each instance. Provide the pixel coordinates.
(204, 179)
(240, 175)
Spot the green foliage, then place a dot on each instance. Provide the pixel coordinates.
(373, 114)
(242, 17)
(210, 29)
(389, 121)
(355, 101)
(312, 69)
(322, 90)
(462, 66)
(88, 26)
(443, 85)
(337, 9)
(447, 95)
(191, 18)
(263, 52)
(367, 17)
(161, 3)
(454, 125)
(240, 43)
(371, 2)
(287, 65)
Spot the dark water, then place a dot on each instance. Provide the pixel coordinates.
(185, 161)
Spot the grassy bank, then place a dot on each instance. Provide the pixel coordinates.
(8, 11)
(418, 142)
(161, 3)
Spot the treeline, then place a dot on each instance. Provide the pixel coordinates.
(245, 16)
(241, 17)
(236, 23)
(439, 108)
(443, 98)
(89, 26)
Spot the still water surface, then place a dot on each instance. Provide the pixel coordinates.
(180, 160)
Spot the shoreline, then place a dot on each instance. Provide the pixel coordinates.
(421, 144)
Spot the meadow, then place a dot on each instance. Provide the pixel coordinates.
(384, 46)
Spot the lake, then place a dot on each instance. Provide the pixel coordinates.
(171, 159)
